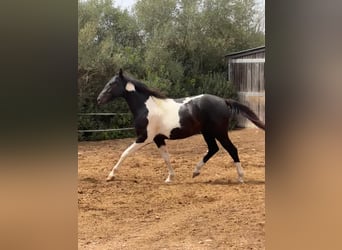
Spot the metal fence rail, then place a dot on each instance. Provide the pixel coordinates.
(103, 130)
(85, 114)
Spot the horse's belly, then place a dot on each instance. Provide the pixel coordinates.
(172, 119)
(162, 124)
(188, 126)
(181, 133)
(168, 124)
(171, 128)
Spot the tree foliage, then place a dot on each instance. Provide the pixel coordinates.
(173, 45)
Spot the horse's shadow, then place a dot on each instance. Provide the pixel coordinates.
(90, 180)
(225, 182)
(220, 182)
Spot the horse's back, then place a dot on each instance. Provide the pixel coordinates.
(211, 106)
(213, 112)
(202, 113)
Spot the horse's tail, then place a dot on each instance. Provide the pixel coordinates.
(246, 112)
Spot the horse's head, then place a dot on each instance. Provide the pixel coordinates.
(114, 88)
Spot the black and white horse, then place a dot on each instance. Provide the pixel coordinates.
(157, 118)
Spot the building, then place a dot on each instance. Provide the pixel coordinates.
(246, 72)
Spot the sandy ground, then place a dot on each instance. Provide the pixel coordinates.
(139, 211)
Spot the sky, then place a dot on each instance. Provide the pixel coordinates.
(124, 4)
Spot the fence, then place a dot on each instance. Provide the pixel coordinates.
(103, 130)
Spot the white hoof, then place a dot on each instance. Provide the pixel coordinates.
(169, 179)
(239, 170)
(110, 178)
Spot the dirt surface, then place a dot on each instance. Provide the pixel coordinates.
(139, 211)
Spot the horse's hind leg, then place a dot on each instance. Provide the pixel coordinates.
(232, 150)
(160, 142)
(212, 149)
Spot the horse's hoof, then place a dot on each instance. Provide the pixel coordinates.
(240, 180)
(169, 179)
(110, 178)
(195, 174)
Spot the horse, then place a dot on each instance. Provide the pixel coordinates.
(158, 118)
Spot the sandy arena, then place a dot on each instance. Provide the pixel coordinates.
(139, 211)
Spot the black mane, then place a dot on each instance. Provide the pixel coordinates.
(142, 88)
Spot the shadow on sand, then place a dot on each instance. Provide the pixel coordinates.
(228, 182)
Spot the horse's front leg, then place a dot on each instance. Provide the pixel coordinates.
(166, 157)
(159, 140)
(130, 150)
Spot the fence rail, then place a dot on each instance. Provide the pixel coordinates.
(103, 130)
(90, 114)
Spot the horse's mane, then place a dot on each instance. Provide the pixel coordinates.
(142, 88)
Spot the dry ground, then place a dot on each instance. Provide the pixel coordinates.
(139, 211)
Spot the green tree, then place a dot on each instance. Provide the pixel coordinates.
(177, 46)
(108, 40)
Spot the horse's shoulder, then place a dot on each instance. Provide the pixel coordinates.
(158, 106)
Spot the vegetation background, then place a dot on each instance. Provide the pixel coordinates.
(176, 46)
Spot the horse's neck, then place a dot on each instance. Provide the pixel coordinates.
(136, 102)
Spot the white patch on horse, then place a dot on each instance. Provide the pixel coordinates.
(130, 87)
(188, 99)
(130, 150)
(198, 167)
(163, 115)
(239, 171)
(166, 157)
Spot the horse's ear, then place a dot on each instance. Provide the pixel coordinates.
(120, 73)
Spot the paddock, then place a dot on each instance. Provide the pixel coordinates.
(139, 211)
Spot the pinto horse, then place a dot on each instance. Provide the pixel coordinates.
(157, 118)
